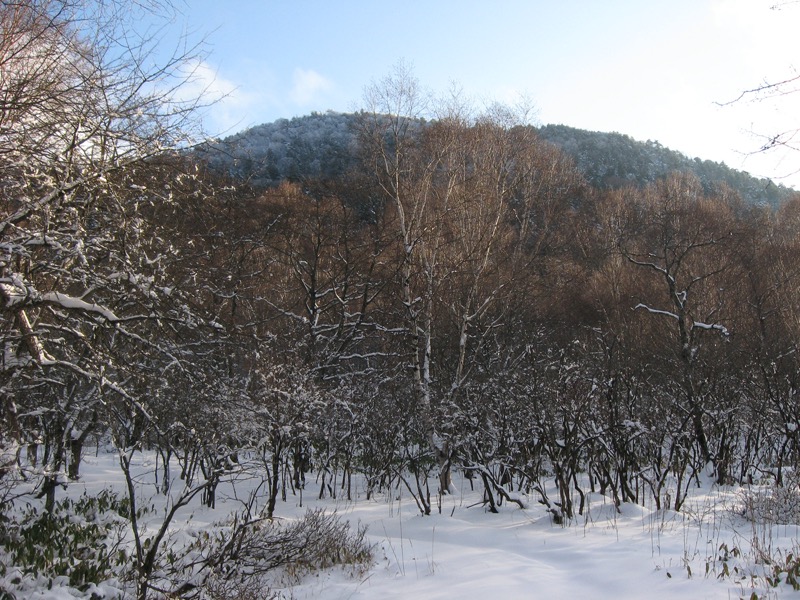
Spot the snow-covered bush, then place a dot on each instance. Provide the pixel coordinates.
(773, 504)
(248, 554)
(80, 540)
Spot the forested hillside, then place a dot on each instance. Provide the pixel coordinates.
(610, 160)
(325, 146)
(311, 147)
(396, 301)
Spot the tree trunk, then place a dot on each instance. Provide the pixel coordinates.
(274, 480)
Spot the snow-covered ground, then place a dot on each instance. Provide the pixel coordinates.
(463, 551)
(466, 552)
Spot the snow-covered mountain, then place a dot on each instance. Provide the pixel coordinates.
(324, 145)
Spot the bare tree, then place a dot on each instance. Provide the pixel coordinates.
(475, 199)
(388, 135)
(92, 318)
(683, 238)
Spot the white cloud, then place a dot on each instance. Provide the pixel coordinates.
(225, 104)
(307, 86)
(204, 80)
(228, 105)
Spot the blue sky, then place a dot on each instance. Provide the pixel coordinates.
(651, 69)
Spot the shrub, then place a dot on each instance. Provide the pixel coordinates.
(775, 504)
(241, 556)
(80, 540)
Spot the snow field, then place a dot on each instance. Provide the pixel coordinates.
(466, 552)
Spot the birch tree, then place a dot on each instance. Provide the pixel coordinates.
(388, 132)
(474, 199)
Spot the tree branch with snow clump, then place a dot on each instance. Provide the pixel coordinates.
(694, 324)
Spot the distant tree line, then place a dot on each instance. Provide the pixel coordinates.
(324, 146)
(613, 160)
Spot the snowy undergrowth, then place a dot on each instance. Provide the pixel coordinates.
(713, 548)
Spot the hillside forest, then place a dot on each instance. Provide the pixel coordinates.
(454, 296)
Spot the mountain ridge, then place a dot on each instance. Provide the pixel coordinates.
(324, 145)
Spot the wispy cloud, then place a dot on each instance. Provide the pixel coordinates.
(225, 104)
(308, 86)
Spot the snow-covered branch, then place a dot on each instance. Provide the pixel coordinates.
(72, 303)
(656, 311)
